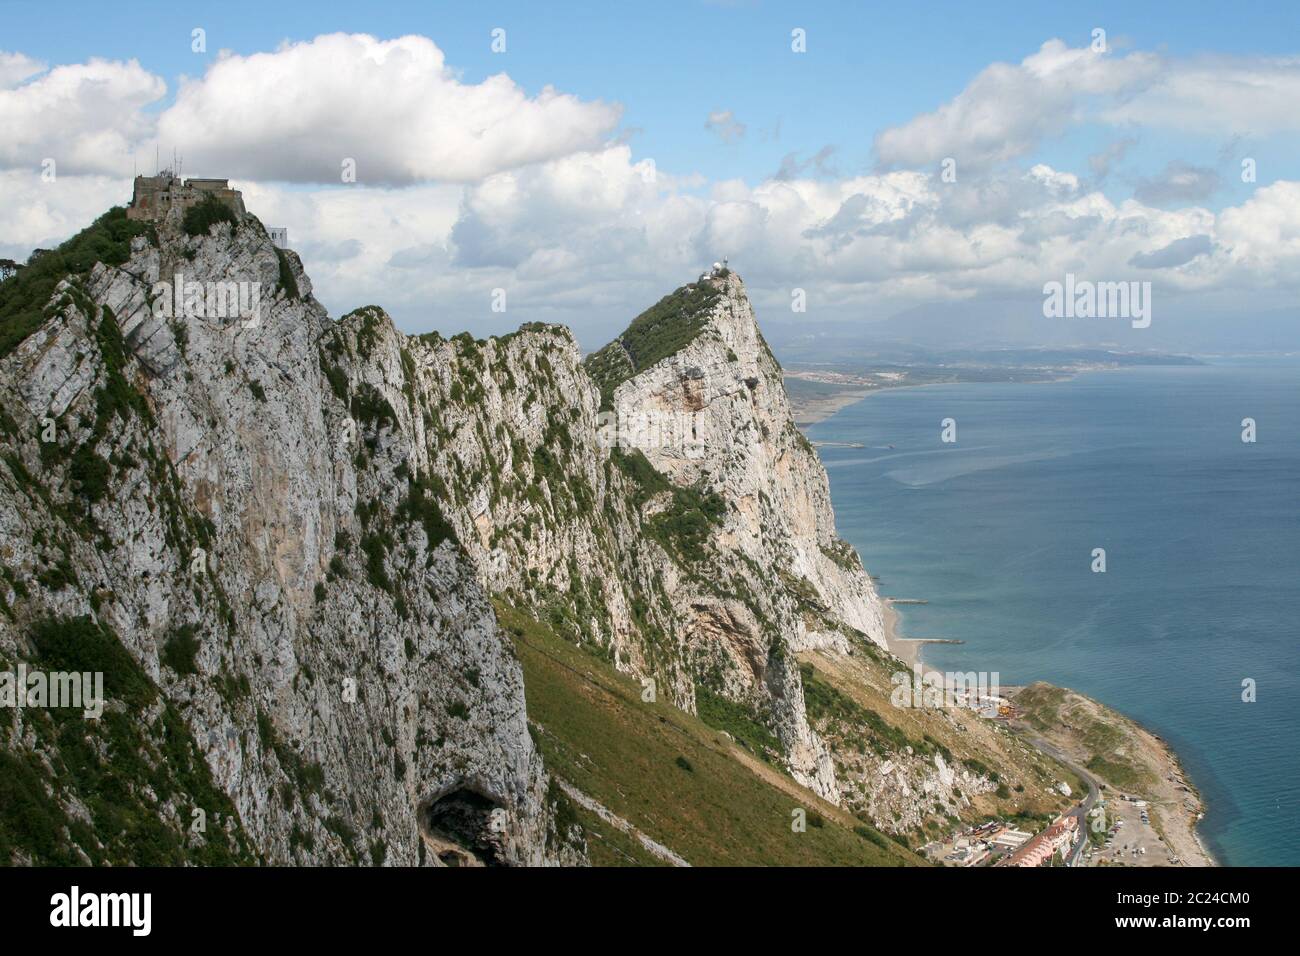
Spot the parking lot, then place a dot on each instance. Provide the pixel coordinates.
(1131, 840)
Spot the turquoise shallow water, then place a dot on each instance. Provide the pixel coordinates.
(1201, 532)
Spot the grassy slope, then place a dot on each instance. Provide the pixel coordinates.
(595, 732)
(864, 680)
(25, 296)
(1106, 740)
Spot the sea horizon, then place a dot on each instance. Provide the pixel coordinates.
(996, 532)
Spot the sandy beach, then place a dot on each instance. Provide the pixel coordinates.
(907, 651)
(813, 409)
(809, 410)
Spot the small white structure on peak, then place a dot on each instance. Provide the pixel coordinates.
(719, 269)
(279, 236)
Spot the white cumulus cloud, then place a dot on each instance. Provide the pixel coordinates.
(1007, 109)
(392, 106)
(16, 67)
(87, 117)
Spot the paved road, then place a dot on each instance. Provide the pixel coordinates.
(1085, 805)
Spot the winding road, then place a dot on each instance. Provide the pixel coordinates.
(1085, 805)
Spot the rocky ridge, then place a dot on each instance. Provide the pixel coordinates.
(292, 526)
(207, 499)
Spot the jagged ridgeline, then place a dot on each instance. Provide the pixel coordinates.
(345, 586)
(656, 334)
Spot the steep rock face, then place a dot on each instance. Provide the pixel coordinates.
(726, 424)
(206, 497)
(691, 543)
(714, 415)
(686, 535)
(505, 432)
(319, 511)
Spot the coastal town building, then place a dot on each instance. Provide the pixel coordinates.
(990, 842)
(1010, 838)
(980, 700)
(1039, 851)
(971, 855)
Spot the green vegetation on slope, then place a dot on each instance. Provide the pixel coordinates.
(180, 653)
(25, 295)
(683, 527)
(205, 214)
(1050, 709)
(421, 505)
(737, 720)
(669, 774)
(662, 330)
(859, 727)
(137, 770)
(848, 701)
(287, 281)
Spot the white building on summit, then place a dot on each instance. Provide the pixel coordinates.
(719, 269)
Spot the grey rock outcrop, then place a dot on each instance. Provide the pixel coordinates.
(350, 692)
(295, 528)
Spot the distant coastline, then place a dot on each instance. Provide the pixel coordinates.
(811, 410)
(1180, 803)
(816, 394)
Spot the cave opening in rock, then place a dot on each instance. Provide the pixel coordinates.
(460, 822)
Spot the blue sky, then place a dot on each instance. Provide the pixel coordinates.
(872, 65)
(870, 68)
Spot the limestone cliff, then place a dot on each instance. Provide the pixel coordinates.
(312, 671)
(685, 533)
(282, 533)
(774, 578)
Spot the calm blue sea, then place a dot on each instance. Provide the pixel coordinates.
(1201, 532)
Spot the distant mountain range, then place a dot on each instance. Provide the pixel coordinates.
(985, 326)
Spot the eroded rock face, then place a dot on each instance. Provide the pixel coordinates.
(536, 483)
(349, 669)
(731, 432)
(555, 518)
(726, 388)
(325, 508)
